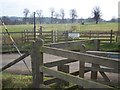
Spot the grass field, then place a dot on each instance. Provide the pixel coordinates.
(79, 27)
(18, 81)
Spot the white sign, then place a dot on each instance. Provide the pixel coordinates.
(74, 35)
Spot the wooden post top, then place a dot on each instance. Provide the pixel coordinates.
(38, 42)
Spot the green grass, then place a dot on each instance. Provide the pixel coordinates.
(12, 81)
(78, 27)
(16, 81)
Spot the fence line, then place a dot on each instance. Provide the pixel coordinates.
(108, 62)
(58, 36)
(40, 68)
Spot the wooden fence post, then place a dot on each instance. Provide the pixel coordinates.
(52, 36)
(66, 36)
(63, 68)
(40, 32)
(37, 61)
(94, 73)
(90, 35)
(24, 36)
(81, 63)
(111, 32)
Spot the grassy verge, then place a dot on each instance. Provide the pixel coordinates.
(16, 81)
(12, 81)
(115, 46)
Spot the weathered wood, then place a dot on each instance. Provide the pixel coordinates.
(66, 36)
(14, 61)
(102, 53)
(105, 76)
(108, 62)
(50, 81)
(37, 61)
(111, 36)
(63, 68)
(42, 86)
(55, 80)
(73, 79)
(94, 73)
(40, 32)
(82, 63)
(52, 36)
(103, 36)
(65, 45)
(102, 69)
(57, 63)
(81, 69)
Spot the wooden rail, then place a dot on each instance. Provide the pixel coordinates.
(73, 79)
(39, 68)
(14, 61)
(27, 36)
(62, 75)
(108, 62)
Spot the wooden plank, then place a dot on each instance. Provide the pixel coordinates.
(42, 86)
(54, 80)
(94, 73)
(105, 76)
(57, 63)
(101, 53)
(102, 69)
(82, 63)
(37, 61)
(50, 81)
(46, 31)
(102, 36)
(63, 68)
(108, 62)
(14, 61)
(73, 79)
(68, 44)
(111, 36)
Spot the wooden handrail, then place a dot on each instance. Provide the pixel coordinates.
(104, 61)
(73, 79)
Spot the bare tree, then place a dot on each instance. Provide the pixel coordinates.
(39, 13)
(62, 14)
(26, 11)
(52, 14)
(56, 17)
(96, 13)
(73, 14)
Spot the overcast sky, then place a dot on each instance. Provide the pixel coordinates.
(109, 8)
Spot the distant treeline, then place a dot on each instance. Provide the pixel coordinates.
(47, 20)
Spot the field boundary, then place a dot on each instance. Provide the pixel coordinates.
(27, 36)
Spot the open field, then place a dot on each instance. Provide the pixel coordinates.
(87, 27)
(79, 27)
